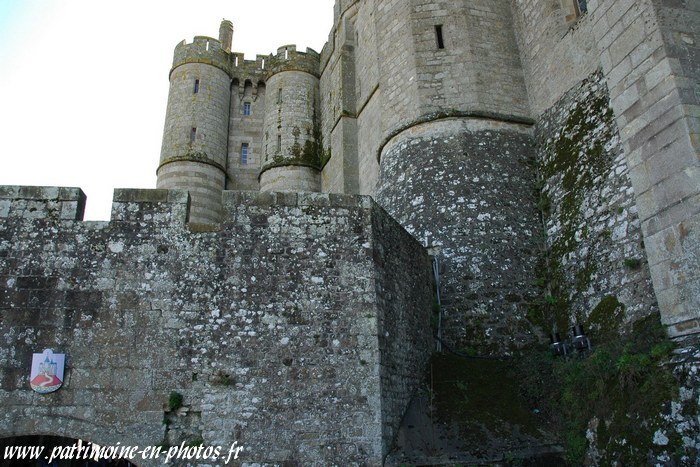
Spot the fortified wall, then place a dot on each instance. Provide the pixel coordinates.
(299, 329)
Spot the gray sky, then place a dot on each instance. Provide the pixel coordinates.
(84, 83)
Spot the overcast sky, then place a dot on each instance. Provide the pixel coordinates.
(84, 83)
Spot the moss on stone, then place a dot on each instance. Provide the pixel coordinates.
(482, 397)
(606, 319)
(310, 154)
(174, 401)
(619, 389)
(576, 160)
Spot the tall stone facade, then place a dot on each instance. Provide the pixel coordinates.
(544, 151)
(394, 71)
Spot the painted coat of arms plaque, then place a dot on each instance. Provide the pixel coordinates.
(47, 371)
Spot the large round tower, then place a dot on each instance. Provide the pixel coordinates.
(292, 154)
(456, 156)
(193, 154)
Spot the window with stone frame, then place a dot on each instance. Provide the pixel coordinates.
(246, 108)
(244, 153)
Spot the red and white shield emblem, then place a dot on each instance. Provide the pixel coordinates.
(47, 371)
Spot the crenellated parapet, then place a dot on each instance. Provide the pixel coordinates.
(209, 51)
(288, 58)
(65, 204)
(240, 66)
(202, 49)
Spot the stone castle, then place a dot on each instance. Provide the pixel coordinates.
(487, 171)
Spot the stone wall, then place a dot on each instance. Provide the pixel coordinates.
(369, 99)
(683, 418)
(195, 138)
(593, 232)
(557, 50)
(649, 57)
(299, 330)
(292, 126)
(379, 76)
(338, 111)
(245, 129)
(478, 67)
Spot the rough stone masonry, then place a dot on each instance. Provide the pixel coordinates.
(299, 329)
(546, 150)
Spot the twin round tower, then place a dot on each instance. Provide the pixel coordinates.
(223, 131)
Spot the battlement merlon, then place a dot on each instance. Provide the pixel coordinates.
(68, 204)
(150, 205)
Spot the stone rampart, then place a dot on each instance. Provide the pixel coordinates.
(299, 330)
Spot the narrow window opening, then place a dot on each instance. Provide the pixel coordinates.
(193, 135)
(263, 63)
(286, 54)
(279, 143)
(207, 48)
(279, 96)
(236, 60)
(438, 36)
(246, 108)
(196, 86)
(244, 153)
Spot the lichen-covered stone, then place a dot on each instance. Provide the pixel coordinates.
(467, 187)
(593, 233)
(299, 329)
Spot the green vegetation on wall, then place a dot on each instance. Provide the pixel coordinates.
(613, 397)
(609, 403)
(574, 166)
(310, 154)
